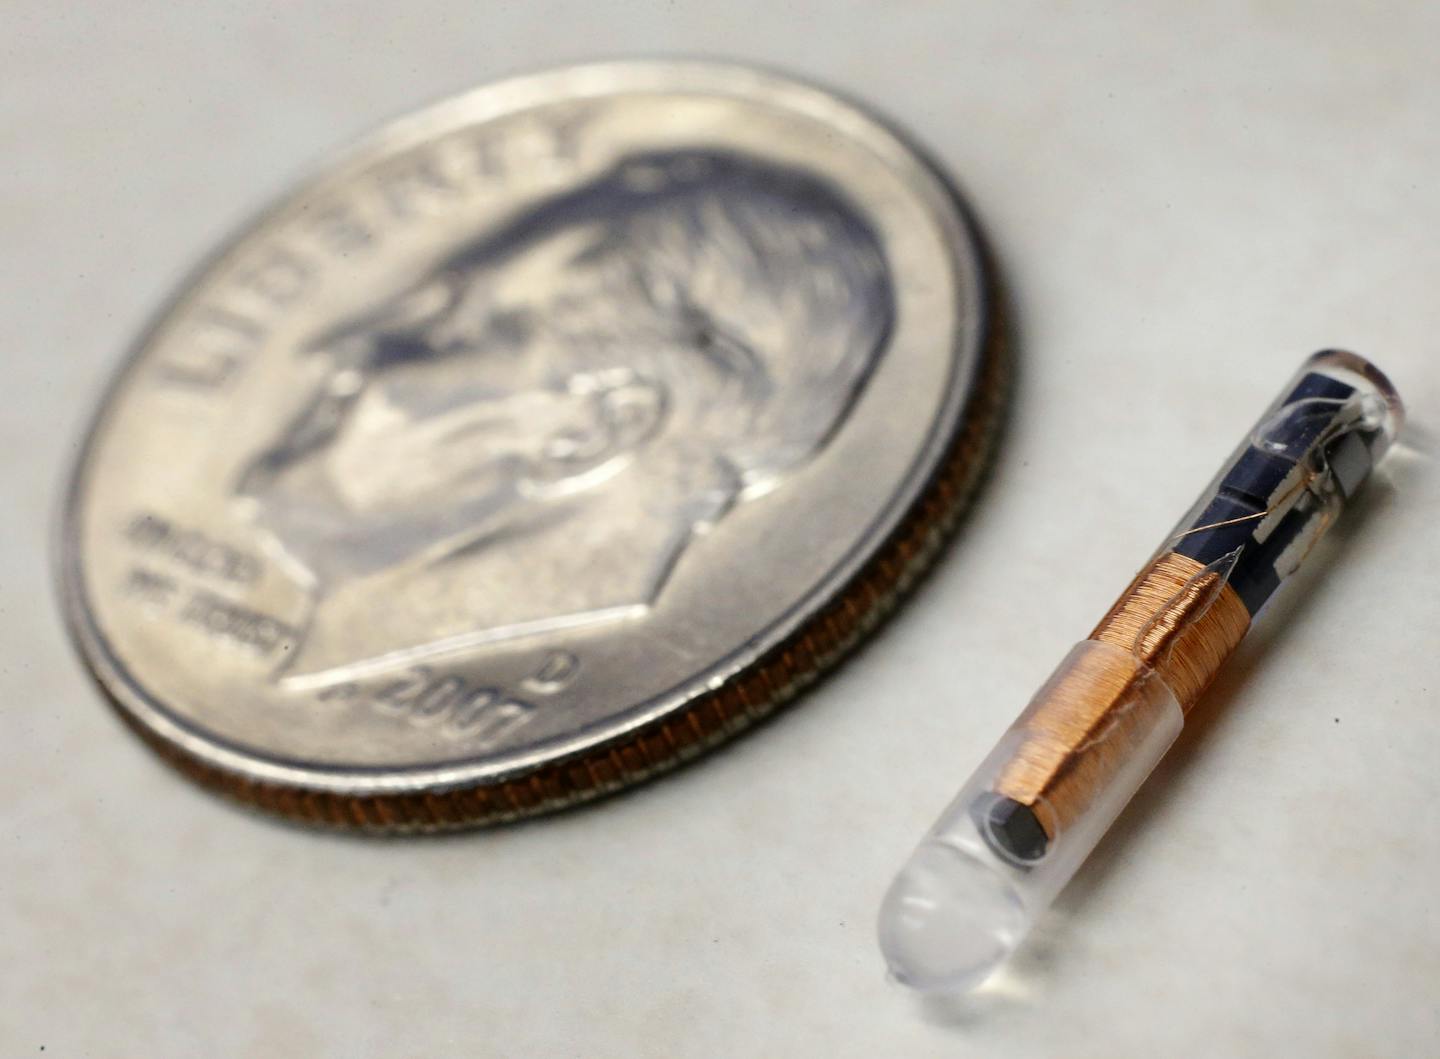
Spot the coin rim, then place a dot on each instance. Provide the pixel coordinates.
(817, 632)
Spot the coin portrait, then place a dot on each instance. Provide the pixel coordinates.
(548, 437)
(622, 364)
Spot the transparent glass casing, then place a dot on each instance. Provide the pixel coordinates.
(969, 893)
(959, 906)
(1284, 485)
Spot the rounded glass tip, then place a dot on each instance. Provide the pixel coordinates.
(1389, 410)
(948, 920)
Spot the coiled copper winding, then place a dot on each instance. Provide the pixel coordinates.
(1177, 622)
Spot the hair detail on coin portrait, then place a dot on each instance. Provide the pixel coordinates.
(527, 438)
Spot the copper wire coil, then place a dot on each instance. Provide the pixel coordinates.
(1177, 622)
(1173, 618)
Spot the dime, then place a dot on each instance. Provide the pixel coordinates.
(548, 438)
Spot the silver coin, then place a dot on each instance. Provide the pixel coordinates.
(549, 437)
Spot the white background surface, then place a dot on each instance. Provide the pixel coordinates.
(1184, 203)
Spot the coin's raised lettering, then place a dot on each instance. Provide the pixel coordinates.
(448, 703)
(227, 620)
(191, 548)
(150, 587)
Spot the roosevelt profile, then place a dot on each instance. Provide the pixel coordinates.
(526, 438)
